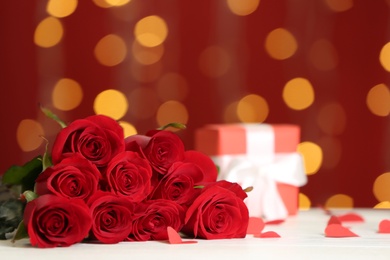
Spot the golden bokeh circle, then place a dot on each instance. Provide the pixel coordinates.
(378, 100)
(339, 201)
(61, 8)
(67, 94)
(48, 33)
(312, 156)
(112, 103)
(151, 31)
(304, 202)
(110, 50)
(281, 44)
(298, 93)
(381, 188)
(242, 7)
(252, 109)
(172, 112)
(29, 135)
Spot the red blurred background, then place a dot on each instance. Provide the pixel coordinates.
(354, 140)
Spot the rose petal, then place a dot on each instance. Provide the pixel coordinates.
(268, 234)
(334, 220)
(351, 217)
(255, 226)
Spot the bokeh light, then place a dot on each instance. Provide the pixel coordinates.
(67, 94)
(378, 100)
(144, 102)
(384, 56)
(172, 112)
(151, 31)
(146, 73)
(243, 7)
(323, 55)
(110, 3)
(230, 113)
(339, 201)
(61, 8)
(48, 33)
(147, 55)
(382, 205)
(332, 118)
(332, 151)
(110, 50)
(252, 109)
(312, 156)
(298, 93)
(281, 44)
(214, 61)
(339, 5)
(29, 135)
(128, 128)
(381, 187)
(172, 86)
(112, 103)
(304, 202)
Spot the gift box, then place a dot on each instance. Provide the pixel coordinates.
(260, 155)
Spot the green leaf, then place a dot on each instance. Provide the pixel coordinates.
(30, 195)
(53, 116)
(174, 125)
(46, 161)
(199, 187)
(21, 232)
(24, 175)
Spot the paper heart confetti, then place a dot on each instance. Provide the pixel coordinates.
(274, 222)
(255, 225)
(350, 217)
(384, 226)
(334, 220)
(337, 230)
(174, 237)
(268, 234)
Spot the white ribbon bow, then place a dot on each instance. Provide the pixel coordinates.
(264, 200)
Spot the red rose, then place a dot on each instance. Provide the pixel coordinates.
(217, 213)
(178, 183)
(163, 149)
(112, 217)
(73, 177)
(209, 169)
(152, 219)
(56, 221)
(129, 175)
(98, 138)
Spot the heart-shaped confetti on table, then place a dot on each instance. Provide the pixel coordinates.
(268, 234)
(274, 222)
(337, 230)
(174, 237)
(384, 226)
(334, 220)
(350, 217)
(255, 225)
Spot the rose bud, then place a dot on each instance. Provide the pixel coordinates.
(129, 175)
(73, 177)
(112, 217)
(98, 138)
(217, 213)
(56, 221)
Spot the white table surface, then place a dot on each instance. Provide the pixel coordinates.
(302, 237)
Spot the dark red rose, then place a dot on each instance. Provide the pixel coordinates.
(98, 138)
(56, 221)
(136, 143)
(178, 183)
(163, 149)
(153, 217)
(217, 213)
(209, 169)
(112, 217)
(73, 177)
(129, 175)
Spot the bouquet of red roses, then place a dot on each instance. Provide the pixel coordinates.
(97, 185)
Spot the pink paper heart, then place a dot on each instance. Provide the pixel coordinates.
(384, 226)
(255, 225)
(268, 234)
(174, 237)
(337, 230)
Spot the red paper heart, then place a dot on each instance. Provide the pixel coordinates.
(274, 222)
(255, 225)
(174, 237)
(337, 230)
(268, 234)
(353, 217)
(334, 220)
(384, 226)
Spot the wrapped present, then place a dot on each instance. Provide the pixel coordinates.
(263, 156)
